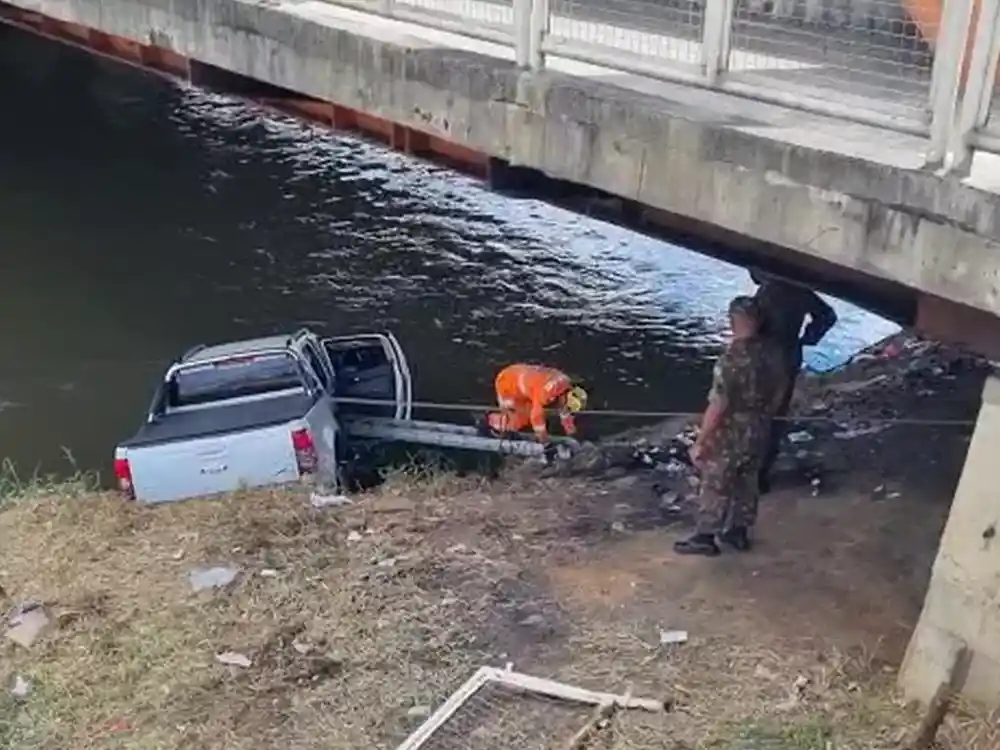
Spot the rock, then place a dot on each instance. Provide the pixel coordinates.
(419, 712)
(233, 659)
(532, 621)
(301, 648)
(212, 578)
(26, 626)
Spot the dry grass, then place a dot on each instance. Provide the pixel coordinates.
(398, 600)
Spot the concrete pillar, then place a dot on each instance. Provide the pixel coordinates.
(962, 608)
(944, 320)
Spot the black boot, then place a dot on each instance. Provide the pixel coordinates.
(699, 544)
(738, 538)
(763, 484)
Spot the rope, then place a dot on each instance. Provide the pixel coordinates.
(478, 408)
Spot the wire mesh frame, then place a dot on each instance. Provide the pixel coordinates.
(426, 733)
(692, 61)
(487, 20)
(870, 53)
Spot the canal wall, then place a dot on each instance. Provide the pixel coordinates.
(678, 163)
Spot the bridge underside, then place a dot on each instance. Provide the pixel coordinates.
(919, 248)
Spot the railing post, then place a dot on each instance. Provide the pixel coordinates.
(982, 70)
(716, 33)
(522, 32)
(540, 17)
(946, 74)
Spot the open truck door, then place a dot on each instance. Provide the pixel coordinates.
(371, 366)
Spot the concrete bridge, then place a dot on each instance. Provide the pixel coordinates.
(850, 143)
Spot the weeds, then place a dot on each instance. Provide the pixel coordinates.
(15, 486)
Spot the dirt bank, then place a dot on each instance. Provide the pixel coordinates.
(356, 621)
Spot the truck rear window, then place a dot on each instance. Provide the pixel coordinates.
(234, 378)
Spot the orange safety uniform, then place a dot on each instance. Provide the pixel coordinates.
(523, 393)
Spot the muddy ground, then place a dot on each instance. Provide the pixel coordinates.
(357, 621)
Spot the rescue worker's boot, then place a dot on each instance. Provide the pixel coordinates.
(698, 544)
(737, 537)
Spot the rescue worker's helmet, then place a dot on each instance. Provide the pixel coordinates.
(576, 399)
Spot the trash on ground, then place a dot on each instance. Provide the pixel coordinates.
(233, 659)
(354, 536)
(212, 578)
(419, 712)
(269, 573)
(21, 687)
(850, 434)
(27, 624)
(799, 437)
(670, 637)
(329, 501)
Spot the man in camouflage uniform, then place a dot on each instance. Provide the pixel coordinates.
(785, 307)
(747, 387)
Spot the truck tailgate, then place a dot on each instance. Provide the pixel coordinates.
(164, 472)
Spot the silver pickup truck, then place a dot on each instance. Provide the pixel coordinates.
(260, 412)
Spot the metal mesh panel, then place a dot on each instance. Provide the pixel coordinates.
(659, 31)
(472, 14)
(855, 51)
(497, 717)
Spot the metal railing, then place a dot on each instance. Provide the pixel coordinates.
(923, 67)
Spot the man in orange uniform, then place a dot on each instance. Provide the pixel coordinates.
(524, 392)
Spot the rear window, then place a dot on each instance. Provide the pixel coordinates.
(234, 378)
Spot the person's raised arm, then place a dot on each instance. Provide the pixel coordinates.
(821, 319)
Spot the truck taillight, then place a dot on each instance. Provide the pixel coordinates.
(123, 473)
(305, 451)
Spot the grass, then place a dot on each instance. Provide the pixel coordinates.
(358, 619)
(15, 486)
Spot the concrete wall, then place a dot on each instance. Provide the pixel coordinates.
(962, 608)
(933, 234)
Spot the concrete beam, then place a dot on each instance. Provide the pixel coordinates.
(962, 608)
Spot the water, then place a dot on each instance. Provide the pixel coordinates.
(139, 217)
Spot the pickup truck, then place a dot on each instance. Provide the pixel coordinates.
(261, 412)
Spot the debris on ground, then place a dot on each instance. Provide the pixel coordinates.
(671, 637)
(27, 624)
(233, 659)
(21, 687)
(218, 577)
(318, 500)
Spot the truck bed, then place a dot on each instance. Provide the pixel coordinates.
(221, 420)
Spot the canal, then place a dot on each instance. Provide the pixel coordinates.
(139, 217)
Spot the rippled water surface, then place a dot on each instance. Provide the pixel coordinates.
(138, 217)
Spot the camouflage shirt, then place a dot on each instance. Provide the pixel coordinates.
(749, 377)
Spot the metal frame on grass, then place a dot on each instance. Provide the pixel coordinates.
(517, 681)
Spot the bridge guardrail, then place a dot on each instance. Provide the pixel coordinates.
(924, 67)
(491, 21)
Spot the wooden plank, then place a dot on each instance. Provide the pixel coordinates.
(566, 692)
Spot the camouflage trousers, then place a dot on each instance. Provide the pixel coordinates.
(729, 493)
